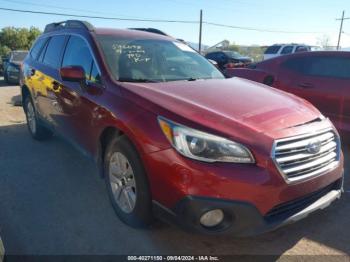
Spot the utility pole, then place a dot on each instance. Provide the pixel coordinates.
(200, 31)
(341, 27)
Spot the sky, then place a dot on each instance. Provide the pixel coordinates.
(301, 21)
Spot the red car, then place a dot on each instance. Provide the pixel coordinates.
(323, 78)
(173, 138)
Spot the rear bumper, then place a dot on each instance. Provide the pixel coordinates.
(243, 218)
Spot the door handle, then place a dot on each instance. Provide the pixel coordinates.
(306, 85)
(55, 85)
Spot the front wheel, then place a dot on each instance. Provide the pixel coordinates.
(6, 78)
(35, 128)
(127, 183)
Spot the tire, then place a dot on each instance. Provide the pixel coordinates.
(36, 129)
(6, 78)
(127, 183)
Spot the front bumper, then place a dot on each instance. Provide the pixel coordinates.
(243, 218)
(13, 77)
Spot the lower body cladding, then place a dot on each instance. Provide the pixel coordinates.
(217, 216)
(241, 200)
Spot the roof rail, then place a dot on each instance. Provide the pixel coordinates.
(75, 24)
(150, 30)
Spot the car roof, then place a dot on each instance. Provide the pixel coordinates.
(131, 33)
(122, 33)
(304, 54)
(84, 27)
(317, 53)
(292, 44)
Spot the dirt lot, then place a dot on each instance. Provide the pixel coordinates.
(53, 202)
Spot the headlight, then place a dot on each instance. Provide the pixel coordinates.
(13, 69)
(203, 146)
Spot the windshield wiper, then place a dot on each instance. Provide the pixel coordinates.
(137, 80)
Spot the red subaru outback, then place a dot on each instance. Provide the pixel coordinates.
(173, 138)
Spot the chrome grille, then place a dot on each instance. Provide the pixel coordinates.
(302, 157)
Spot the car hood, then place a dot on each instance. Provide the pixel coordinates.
(225, 104)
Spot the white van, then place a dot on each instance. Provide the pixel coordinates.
(284, 49)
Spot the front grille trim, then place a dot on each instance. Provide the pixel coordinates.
(289, 208)
(310, 171)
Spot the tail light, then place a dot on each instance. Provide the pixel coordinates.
(230, 65)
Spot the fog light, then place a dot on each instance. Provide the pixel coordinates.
(212, 218)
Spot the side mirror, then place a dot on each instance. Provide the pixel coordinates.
(72, 73)
(214, 63)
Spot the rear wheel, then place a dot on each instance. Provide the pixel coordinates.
(127, 183)
(35, 128)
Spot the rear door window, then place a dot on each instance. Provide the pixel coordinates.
(287, 49)
(337, 67)
(53, 52)
(297, 64)
(272, 49)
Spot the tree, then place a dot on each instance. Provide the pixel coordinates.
(233, 47)
(324, 41)
(33, 34)
(12, 38)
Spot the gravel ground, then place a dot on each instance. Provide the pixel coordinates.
(53, 202)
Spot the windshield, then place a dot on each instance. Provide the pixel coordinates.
(150, 60)
(18, 56)
(233, 54)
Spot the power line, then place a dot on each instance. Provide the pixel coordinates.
(157, 21)
(66, 8)
(259, 29)
(99, 17)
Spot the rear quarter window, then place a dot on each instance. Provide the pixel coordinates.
(35, 50)
(287, 50)
(301, 49)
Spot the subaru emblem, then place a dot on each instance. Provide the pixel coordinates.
(314, 147)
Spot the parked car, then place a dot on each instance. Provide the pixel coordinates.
(12, 67)
(1, 67)
(3, 62)
(285, 49)
(2, 251)
(173, 138)
(322, 78)
(229, 59)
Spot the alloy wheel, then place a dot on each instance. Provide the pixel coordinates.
(31, 117)
(122, 181)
